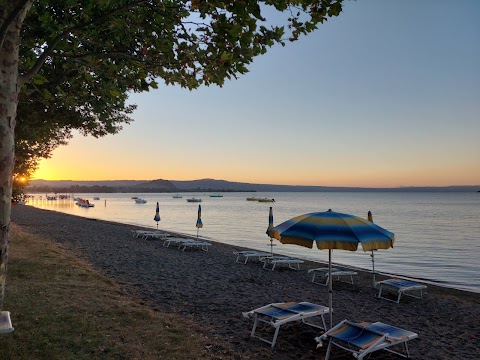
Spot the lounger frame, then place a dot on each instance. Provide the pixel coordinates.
(260, 317)
(249, 254)
(335, 273)
(402, 287)
(384, 340)
(203, 245)
(293, 263)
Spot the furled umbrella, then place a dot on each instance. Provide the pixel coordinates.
(199, 223)
(157, 215)
(270, 227)
(372, 255)
(331, 230)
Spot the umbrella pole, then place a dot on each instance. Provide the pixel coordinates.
(271, 246)
(197, 232)
(330, 292)
(373, 269)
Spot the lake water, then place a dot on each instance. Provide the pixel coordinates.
(437, 235)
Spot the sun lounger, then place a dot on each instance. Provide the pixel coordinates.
(364, 338)
(174, 240)
(335, 273)
(401, 287)
(277, 314)
(155, 235)
(250, 254)
(203, 245)
(293, 263)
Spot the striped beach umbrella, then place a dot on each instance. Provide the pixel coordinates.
(331, 230)
(270, 227)
(199, 223)
(157, 215)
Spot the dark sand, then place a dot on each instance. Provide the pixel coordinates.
(213, 290)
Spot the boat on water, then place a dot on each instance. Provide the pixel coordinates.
(216, 195)
(266, 200)
(252, 198)
(134, 198)
(140, 201)
(194, 199)
(177, 196)
(84, 203)
(96, 198)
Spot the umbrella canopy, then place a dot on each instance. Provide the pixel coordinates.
(157, 215)
(199, 223)
(332, 230)
(270, 227)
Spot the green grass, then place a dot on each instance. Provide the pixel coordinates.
(62, 309)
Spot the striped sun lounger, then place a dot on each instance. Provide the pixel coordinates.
(277, 314)
(401, 287)
(364, 338)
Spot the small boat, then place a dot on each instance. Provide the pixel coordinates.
(216, 195)
(96, 198)
(177, 196)
(140, 201)
(252, 198)
(193, 199)
(51, 197)
(266, 200)
(134, 198)
(84, 203)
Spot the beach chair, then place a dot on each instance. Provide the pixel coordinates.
(203, 245)
(155, 235)
(277, 314)
(364, 338)
(250, 254)
(401, 287)
(336, 273)
(270, 262)
(174, 240)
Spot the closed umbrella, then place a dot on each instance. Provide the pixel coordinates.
(157, 215)
(372, 255)
(332, 230)
(270, 227)
(199, 223)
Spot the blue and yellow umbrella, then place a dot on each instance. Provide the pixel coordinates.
(157, 215)
(332, 230)
(199, 223)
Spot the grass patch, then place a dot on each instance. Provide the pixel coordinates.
(62, 309)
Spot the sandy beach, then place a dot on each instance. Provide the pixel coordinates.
(213, 290)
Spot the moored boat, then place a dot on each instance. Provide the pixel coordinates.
(252, 198)
(194, 199)
(216, 195)
(140, 201)
(266, 200)
(177, 196)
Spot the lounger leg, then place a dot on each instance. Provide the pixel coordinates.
(329, 348)
(275, 336)
(252, 334)
(399, 296)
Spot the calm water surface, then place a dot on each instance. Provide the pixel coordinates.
(437, 235)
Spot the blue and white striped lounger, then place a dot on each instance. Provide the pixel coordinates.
(277, 314)
(250, 253)
(364, 338)
(401, 286)
(274, 260)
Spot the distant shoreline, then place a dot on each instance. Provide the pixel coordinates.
(210, 185)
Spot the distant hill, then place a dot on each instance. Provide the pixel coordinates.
(160, 185)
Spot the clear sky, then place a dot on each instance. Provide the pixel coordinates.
(385, 95)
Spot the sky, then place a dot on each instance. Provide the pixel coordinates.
(385, 95)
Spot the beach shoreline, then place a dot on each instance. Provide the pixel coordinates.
(213, 290)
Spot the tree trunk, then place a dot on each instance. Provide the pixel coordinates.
(9, 89)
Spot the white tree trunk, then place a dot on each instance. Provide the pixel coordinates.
(9, 89)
